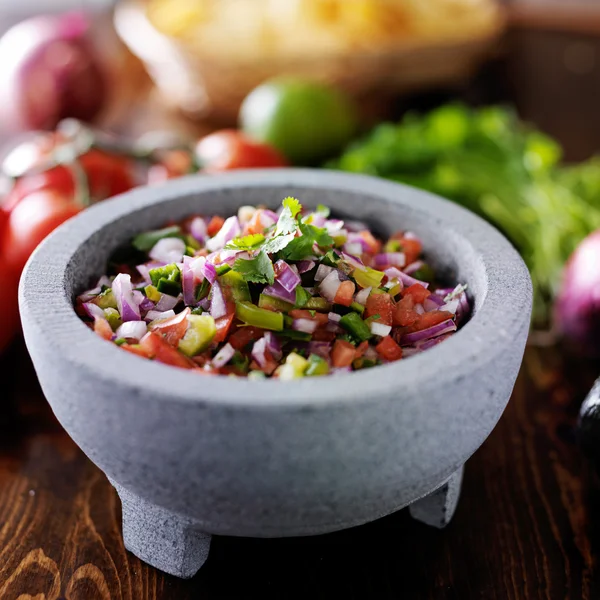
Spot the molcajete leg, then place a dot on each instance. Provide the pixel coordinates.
(161, 538)
(438, 508)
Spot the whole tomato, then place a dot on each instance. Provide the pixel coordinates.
(31, 220)
(9, 308)
(230, 149)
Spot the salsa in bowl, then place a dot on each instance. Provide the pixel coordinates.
(286, 294)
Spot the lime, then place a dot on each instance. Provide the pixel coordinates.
(306, 121)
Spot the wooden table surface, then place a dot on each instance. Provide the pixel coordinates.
(527, 525)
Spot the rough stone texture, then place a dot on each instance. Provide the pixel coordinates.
(438, 508)
(266, 458)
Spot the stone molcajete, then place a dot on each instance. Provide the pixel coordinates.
(193, 456)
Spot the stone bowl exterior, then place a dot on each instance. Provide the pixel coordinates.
(193, 456)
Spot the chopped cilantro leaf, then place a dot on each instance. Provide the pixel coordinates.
(249, 242)
(301, 247)
(293, 205)
(257, 270)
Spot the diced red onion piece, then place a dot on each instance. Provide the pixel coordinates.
(409, 351)
(355, 237)
(89, 294)
(198, 229)
(144, 269)
(356, 226)
(451, 306)
(334, 317)
(305, 265)
(166, 302)
(286, 277)
(278, 291)
(456, 292)
(407, 280)
(426, 344)
(218, 308)
(409, 235)
(132, 330)
(268, 218)
(333, 328)
(209, 271)
(328, 288)
(169, 250)
(393, 283)
(155, 315)
(429, 304)
(439, 329)
(363, 296)
(273, 344)
(258, 352)
(438, 300)
(146, 304)
(443, 292)
(353, 248)
(204, 304)
(334, 226)
(322, 272)
(188, 282)
(138, 297)
(414, 266)
(317, 220)
(223, 356)
(231, 229)
(305, 325)
(93, 310)
(353, 260)
(380, 329)
(322, 349)
(123, 292)
(104, 281)
(396, 259)
(419, 309)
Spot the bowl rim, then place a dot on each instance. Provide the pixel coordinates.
(489, 333)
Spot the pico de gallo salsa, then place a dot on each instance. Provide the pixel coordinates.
(286, 294)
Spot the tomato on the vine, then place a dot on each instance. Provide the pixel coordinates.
(30, 221)
(230, 149)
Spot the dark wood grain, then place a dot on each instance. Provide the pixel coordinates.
(528, 523)
(525, 526)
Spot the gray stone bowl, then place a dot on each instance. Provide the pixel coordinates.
(193, 456)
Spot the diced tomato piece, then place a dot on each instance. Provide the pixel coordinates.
(361, 349)
(382, 305)
(215, 225)
(388, 349)
(158, 348)
(373, 244)
(404, 313)
(345, 293)
(418, 293)
(322, 335)
(223, 325)
(172, 329)
(342, 354)
(429, 319)
(135, 349)
(102, 328)
(320, 318)
(244, 335)
(411, 248)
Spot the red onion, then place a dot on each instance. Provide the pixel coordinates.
(437, 299)
(278, 291)
(317, 220)
(218, 308)
(363, 296)
(93, 310)
(352, 260)
(155, 315)
(89, 294)
(305, 325)
(126, 304)
(334, 317)
(380, 329)
(322, 272)
(396, 259)
(273, 345)
(443, 292)
(439, 329)
(407, 280)
(132, 330)
(414, 266)
(258, 352)
(371, 353)
(198, 229)
(419, 309)
(167, 302)
(304, 266)
(168, 250)
(231, 229)
(424, 345)
(48, 72)
(328, 288)
(429, 304)
(322, 349)
(451, 306)
(356, 238)
(144, 269)
(104, 281)
(285, 275)
(334, 226)
(223, 356)
(146, 304)
(577, 308)
(353, 248)
(464, 309)
(188, 282)
(268, 218)
(209, 271)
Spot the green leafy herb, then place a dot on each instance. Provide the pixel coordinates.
(249, 242)
(302, 296)
(257, 270)
(287, 226)
(302, 246)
